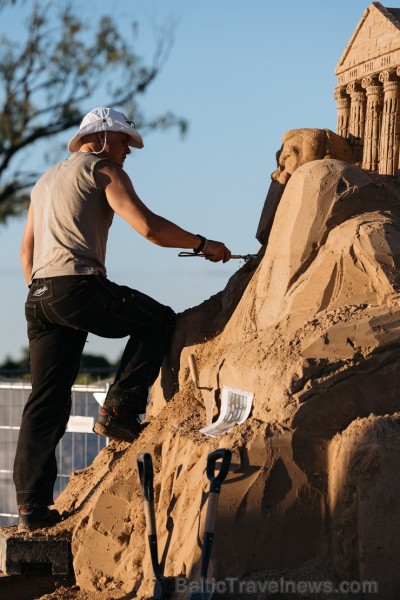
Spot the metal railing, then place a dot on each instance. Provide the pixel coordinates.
(76, 450)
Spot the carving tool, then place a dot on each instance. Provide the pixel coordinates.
(244, 257)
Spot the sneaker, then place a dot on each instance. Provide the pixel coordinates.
(37, 518)
(123, 429)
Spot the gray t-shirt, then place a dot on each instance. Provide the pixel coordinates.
(71, 219)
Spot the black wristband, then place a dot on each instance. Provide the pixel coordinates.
(202, 245)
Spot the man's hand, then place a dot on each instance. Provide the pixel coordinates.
(216, 251)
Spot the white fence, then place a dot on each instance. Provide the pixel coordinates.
(77, 449)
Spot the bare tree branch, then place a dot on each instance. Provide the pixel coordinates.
(47, 80)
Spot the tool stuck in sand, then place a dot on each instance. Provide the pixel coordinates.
(245, 257)
(194, 372)
(163, 586)
(223, 455)
(193, 369)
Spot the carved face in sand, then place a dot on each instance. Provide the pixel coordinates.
(301, 146)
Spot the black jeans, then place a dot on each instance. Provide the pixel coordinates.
(60, 311)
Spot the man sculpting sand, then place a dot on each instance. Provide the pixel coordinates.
(63, 255)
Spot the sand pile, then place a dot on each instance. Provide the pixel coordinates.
(311, 328)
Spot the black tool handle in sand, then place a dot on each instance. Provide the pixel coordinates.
(212, 504)
(145, 468)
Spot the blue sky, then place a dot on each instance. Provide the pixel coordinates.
(242, 74)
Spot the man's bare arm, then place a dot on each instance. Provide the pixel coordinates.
(27, 245)
(126, 203)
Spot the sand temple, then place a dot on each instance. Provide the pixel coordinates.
(367, 91)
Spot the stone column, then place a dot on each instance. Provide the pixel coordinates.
(343, 111)
(373, 118)
(390, 129)
(357, 119)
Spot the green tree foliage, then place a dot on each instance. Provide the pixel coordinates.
(16, 368)
(92, 367)
(48, 78)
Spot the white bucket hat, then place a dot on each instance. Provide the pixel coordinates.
(105, 119)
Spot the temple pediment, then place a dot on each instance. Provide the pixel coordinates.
(368, 91)
(374, 45)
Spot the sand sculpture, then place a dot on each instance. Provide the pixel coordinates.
(311, 327)
(368, 90)
(299, 146)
